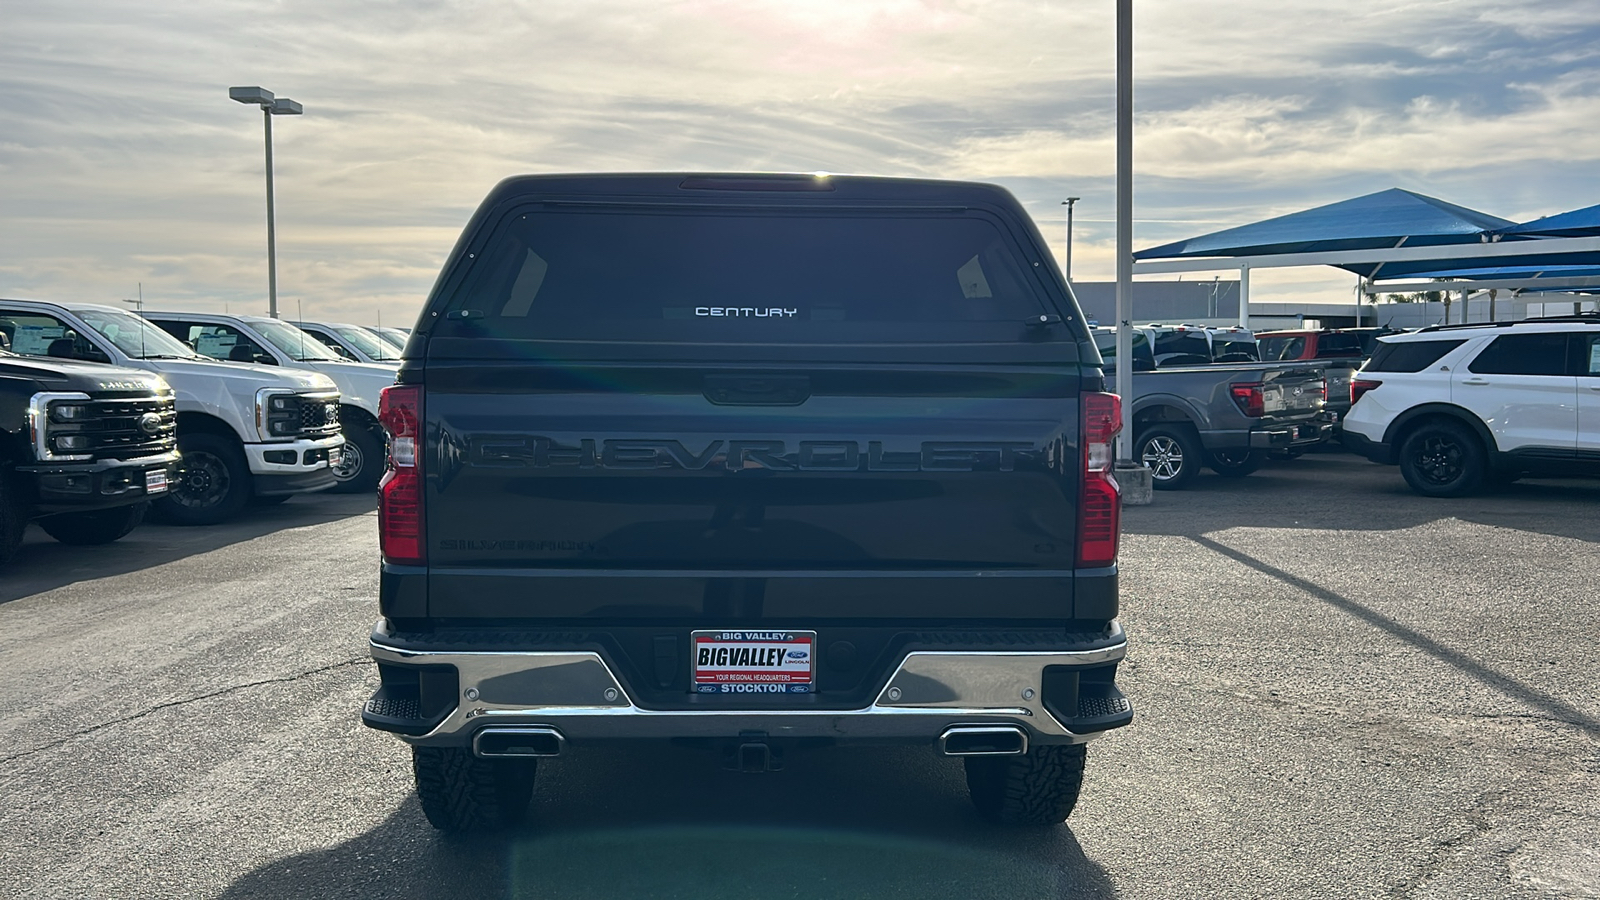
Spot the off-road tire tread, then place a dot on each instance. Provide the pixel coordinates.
(101, 526)
(463, 793)
(1040, 787)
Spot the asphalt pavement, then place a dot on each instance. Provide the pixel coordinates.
(1342, 690)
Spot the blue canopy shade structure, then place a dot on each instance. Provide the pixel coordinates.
(1542, 265)
(1478, 271)
(1390, 218)
(1577, 223)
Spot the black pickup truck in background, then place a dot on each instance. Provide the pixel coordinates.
(83, 447)
(755, 462)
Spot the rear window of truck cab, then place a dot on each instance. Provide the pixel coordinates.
(742, 275)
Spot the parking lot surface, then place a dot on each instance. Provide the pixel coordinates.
(1343, 690)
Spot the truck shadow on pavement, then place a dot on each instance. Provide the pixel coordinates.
(1343, 492)
(1552, 706)
(664, 821)
(43, 564)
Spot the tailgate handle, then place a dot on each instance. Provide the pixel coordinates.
(757, 390)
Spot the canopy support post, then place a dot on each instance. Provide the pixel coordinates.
(1244, 297)
(1132, 474)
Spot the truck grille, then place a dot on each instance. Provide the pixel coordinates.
(318, 416)
(287, 416)
(127, 429)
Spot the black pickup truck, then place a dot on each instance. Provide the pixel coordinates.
(83, 447)
(752, 462)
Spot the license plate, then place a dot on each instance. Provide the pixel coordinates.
(754, 662)
(333, 456)
(155, 481)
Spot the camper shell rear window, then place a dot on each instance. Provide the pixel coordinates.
(668, 273)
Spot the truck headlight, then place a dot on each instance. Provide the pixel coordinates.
(55, 426)
(277, 413)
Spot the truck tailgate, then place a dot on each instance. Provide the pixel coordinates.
(660, 491)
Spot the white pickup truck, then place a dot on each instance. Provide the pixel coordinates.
(273, 342)
(243, 431)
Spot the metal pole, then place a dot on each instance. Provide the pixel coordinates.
(1069, 203)
(1125, 226)
(1244, 296)
(272, 230)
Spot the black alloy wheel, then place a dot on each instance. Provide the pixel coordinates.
(1442, 459)
(213, 482)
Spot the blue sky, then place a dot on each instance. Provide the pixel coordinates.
(122, 160)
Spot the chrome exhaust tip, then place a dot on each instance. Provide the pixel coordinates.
(517, 741)
(983, 740)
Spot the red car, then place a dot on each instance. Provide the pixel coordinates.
(1294, 345)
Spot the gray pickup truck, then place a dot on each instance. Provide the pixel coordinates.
(1226, 416)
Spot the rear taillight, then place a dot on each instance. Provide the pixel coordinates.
(400, 533)
(1359, 386)
(1100, 503)
(1250, 398)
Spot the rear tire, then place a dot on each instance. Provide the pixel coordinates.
(361, 461)
(213, 482)
(1443, 459)
(101, 526)
(1235, 463)
(461, 792)
(1172, 452)
(1040, 787)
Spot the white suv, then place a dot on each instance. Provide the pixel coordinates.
(1456, 405)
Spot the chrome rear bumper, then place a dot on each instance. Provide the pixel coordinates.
(578, 695)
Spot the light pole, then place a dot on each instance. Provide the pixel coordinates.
(270, 106)
(1068, 204)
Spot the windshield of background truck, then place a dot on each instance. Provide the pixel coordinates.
(1106, 343)
(139, 338)
(1222, 346)
(1183, 342)
(367, 343)
(1278, 348)
(1338, 346)
(748, 276)
(396, 338)
(295, 343)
